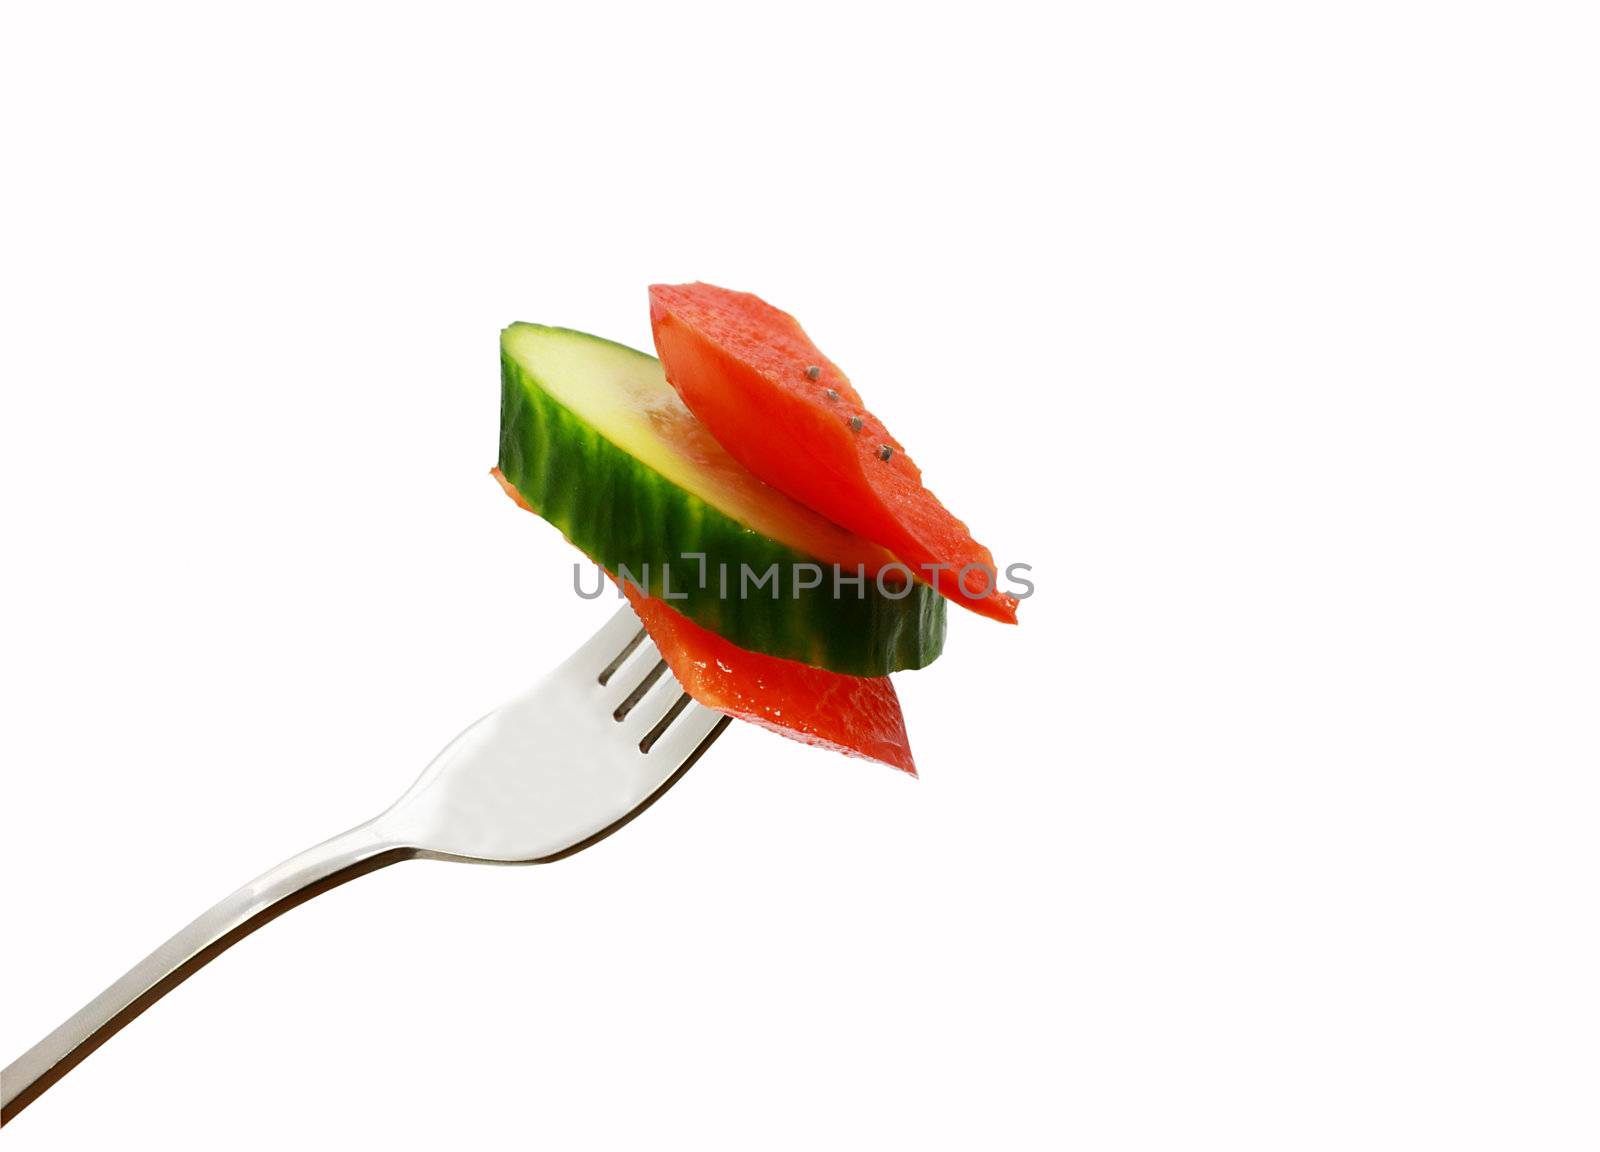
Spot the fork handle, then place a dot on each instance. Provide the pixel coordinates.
(363, 849)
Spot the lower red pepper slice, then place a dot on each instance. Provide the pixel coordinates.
(855, 715)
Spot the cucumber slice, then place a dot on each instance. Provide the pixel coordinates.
(598, 443)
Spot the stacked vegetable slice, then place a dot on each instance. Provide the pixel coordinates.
(786, 412)
(776, 571)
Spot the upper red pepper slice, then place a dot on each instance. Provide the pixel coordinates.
(785, 411)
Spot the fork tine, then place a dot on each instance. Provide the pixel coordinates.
(622, 649)
(630, 706)
(605, 645)
(621, 658)
(651, 706)
(695, 726)
(647, 741)
(629, 677)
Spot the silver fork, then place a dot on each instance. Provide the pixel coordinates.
(547, 774)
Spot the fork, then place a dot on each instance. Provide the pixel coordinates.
(547, 774)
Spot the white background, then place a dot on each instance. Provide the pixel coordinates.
(1266, 333)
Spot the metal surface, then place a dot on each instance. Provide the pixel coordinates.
(547, 774)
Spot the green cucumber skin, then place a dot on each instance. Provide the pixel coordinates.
(622, 513)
